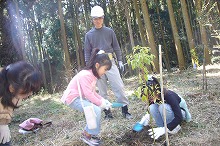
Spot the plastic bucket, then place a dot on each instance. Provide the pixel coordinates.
(90, 117)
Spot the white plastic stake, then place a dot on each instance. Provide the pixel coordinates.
(162, 95)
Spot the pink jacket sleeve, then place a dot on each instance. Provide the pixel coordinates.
(88, 84)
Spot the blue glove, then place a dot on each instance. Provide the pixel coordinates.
(121, 66)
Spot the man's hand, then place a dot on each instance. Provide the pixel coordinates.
(157, 132)
(121, 66)
(5, 135)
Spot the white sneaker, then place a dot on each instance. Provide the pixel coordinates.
(22, 131)
(91, 141)
(175, 130)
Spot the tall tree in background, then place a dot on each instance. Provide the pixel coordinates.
(21, 45)
(38, 36)
(73, 9)
(128, 18)
(8, 52)
(32, 46)
(150, 35)
(218, 5)
(194, 56)
(202, 21)
(140, 25)
(64, 41)
(166, 54)
(179, 50)
(86, 13)
(78, 39)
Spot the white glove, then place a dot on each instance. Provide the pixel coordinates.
(157, 132)
(121, 66)
(5, 135)
(108, 104)
(105, 104)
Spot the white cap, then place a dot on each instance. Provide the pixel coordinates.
(97, 11)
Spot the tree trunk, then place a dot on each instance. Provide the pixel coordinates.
(194, 56)
(39, 44)
(21, 46)
(87, 10)
(33, 49)
(207, 56)
(150, 35)
(78, 44)
(218, 5)
(166, 54)
(140, 25)
(128, 22)
(184, 43)
(64, 42)
(179, 49)
(112, 11)
(52, 88)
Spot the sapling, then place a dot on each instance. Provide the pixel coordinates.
(139, 59)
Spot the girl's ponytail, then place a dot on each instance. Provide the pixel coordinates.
(92, 58)
(6, 96)
(100, 57)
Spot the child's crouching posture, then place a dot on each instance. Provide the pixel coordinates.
(17, 82)
(86, 81)
(175, 107)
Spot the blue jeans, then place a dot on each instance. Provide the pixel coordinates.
(76, 104)
(156, 110)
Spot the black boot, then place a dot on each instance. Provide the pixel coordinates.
(125, 112)
(108, 114)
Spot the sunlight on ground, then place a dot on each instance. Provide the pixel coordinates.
(213, 74)
(129, 92)
(214, 66)
(209, 70)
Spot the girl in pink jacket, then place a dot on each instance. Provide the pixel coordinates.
(97, 66)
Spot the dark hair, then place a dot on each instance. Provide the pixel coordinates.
(102, 59)
(153, 86)
(21, 76)
(153, 81)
